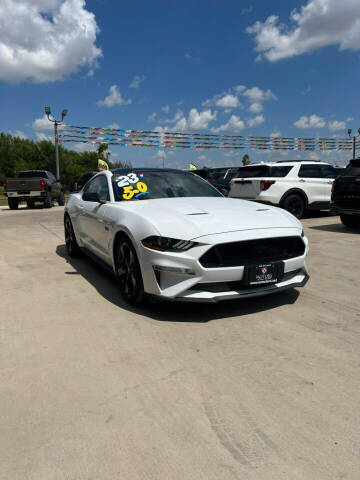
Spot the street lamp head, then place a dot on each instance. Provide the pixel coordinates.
(349, 131)
(63, 113)
(47, 111)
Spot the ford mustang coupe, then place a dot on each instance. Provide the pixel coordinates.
(169, 234)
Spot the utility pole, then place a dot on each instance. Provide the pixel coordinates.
(56, 135)
(354, 141)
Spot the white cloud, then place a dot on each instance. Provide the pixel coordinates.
(335, 125)
(275, 134)
(319, 23)
(223, 100)
(228, 101)
(256, 107)
(114, 125)
(42, 136)
(194, 121)
(166, 109)
(314, 121)
(42, 124)
(84, 147)
(188, 56)
(46, 40)
(234, 124)
(19, 134)
(137, 80)
(255, 94)
(350, 119)
(114, 98)
(202, 158)
(256, 121)
(160, 154)
(239, 88)
(152, 118)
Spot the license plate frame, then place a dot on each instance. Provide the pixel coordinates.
(266, 273)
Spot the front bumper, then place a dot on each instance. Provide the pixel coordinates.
(336, 210)
(225, 283)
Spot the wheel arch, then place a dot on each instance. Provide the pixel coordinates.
(294, 191)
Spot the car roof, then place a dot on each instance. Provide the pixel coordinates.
(147, 169)
(285, 163)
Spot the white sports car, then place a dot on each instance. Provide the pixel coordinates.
(169, 234)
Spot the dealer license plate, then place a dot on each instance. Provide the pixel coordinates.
(265, 273)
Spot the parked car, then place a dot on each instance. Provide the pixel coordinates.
(78, 184)
(33, 186)
(292, 185)
(218, 177)
(170, 234)
(345, 195)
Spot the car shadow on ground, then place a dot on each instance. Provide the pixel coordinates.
(336, 228)
(106, 285)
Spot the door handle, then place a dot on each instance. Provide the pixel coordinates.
(330, 182)
(301, 180)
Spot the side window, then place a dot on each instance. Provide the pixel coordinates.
(51, 177)
(310, 171)
(328, 171)
(98, 185)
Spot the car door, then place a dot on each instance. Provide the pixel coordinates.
(312, 182)
(55, 185)
(329, 174)
(93, 222)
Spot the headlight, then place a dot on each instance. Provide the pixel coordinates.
(167, 244)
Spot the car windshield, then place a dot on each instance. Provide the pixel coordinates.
(150, 184)
(32, 175)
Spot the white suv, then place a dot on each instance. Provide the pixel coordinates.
(294, 186)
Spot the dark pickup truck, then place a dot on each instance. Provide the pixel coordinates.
(33, 186)
(345, 195)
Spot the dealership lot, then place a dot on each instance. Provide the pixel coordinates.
(92, 389)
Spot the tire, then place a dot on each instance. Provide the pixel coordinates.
(61, 199)
(128, 273)
(350, 221)
(13, 203)
(294, 204)
(47, 201)
(72, 246)
(30, 204)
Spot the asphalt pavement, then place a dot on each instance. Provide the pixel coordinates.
(259, 389)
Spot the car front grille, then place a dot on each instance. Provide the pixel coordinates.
(252, 252)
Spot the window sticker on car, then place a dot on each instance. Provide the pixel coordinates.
(128, 179)
(132, 185)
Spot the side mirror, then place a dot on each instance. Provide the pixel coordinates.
(93, 197)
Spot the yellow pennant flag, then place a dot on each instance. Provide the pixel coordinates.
(102, 165)
(193, 167)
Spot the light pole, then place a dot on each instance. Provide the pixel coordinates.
(56, 123)
(354, 141)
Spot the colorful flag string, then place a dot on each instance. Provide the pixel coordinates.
(157, 139)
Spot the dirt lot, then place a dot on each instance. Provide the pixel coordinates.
(261, 389)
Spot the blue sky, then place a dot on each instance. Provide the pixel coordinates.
(206, 66)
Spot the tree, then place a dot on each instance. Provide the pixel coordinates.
(246, 160)
(18, 154)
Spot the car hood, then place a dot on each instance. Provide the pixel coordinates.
(191, 218)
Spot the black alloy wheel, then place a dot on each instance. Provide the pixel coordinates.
(72, 246)
(129, 273)
(295, 205)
